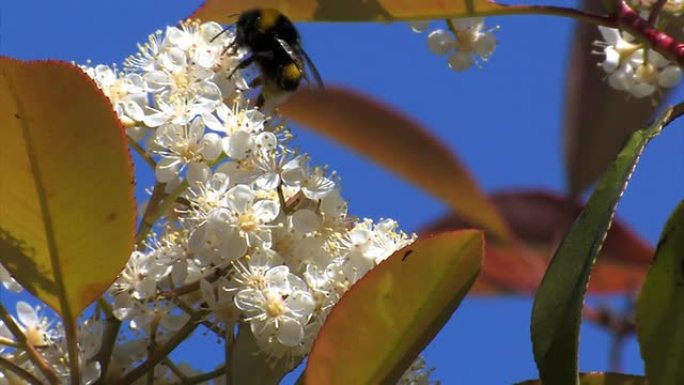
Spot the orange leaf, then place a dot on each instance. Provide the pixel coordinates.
(349, 10)
(67, 213)
(386, 319)
(395, 141)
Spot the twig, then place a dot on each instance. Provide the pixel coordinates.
(147, 221)
(193, 287)
(162, 351)
(19, 371)
(175, 370)
(229, 351)
(143, 154)
(112, 326)
(655, 10)
(33, 354)
(218, 372)
(160, 204)
(154, 326)
(629, 19)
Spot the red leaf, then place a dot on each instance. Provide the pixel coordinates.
(540, 220)
(397, 142)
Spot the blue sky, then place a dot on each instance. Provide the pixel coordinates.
(504, 121)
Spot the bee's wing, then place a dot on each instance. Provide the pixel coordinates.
(312, 67)
(296, 53)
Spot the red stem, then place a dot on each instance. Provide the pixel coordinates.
(629, 20)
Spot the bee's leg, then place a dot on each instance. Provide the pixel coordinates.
(219, 34)
(232, 47)
(261, 100)
(242, 65)
(256, 82)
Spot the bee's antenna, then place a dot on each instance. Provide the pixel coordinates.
(219, 34)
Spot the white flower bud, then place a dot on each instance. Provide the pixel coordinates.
(440, 41)
(460, 61)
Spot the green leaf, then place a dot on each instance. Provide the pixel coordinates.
(407, 149)
(386, 319)
(602, 379)
(558, 302)
(660, 310)
(250, 366)
(67, 212)
(350, 10)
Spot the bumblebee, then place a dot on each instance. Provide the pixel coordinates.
(274, 45)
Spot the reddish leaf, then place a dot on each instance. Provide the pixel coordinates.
(386, 319)
(350, 10)
(398, 143)
(540, 219)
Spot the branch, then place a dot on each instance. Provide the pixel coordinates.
(655, 10)
(33, 354)
(629, 20)
(162, 351)
(19, 371)
(143, 154)
(111, 333)
(218, 372)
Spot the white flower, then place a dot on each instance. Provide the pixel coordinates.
(281, 309)
(240, 222)
(139, 277)
(417, 374)
(440, 41)
(419, 25)
(175, 108)
(36, 327)
(471, 40)
(219, 298)
(634, 68)
(182, 145)
(125, 91)
(8, 282)
(312, 182)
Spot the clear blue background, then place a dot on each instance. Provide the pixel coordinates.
(504, 121)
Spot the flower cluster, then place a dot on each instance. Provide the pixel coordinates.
(633, 67)
(255, 238)
(671, 7)
(467, 42)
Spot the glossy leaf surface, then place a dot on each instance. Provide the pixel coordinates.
(386, 319)
(398, 143)
(349, 10)
(67, 213)
(660, 309)
(556, 313)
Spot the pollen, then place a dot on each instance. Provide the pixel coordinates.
(248, 222)
(291, 71)
(275, 307)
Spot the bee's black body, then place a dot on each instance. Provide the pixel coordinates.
(259, 28)
(274, 45)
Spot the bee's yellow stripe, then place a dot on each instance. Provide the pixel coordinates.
(291, 71)
(268, 19)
